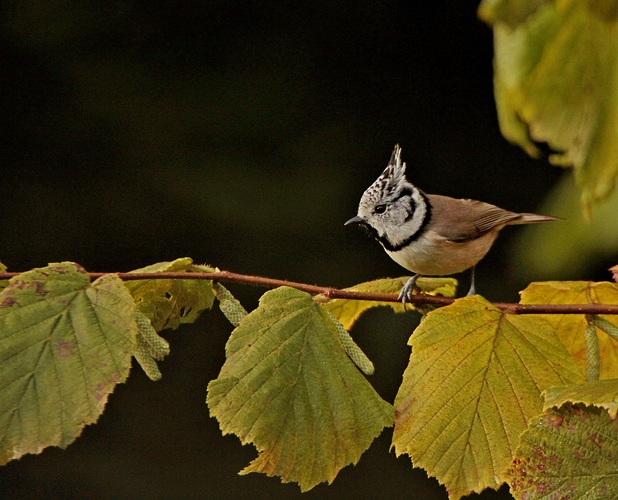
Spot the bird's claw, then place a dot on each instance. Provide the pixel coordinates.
(405, 296)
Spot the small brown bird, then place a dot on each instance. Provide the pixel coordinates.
(430, 234)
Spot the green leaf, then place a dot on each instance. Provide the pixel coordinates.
(556, 81)
(603, 393)
(571, 328)
(474, 380)
(288, 388)
(567, 453)
(64, 345)
(170, 303)
(348, 311)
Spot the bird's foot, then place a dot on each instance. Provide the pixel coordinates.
(405, 296)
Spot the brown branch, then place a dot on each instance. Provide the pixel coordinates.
(336, 293)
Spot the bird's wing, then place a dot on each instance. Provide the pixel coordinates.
(489, 216)
(462, 220)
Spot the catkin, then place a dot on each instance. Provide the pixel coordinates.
(593, 360)
(230, 307)
(150, 346)
(350, 347)
(146, 361)
(603, 324)
(157, 346)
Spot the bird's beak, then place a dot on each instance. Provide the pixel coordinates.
(355, 220)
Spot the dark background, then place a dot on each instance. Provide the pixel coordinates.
(241, 134)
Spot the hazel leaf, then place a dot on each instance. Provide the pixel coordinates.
(556, 82)
(288, 387)
(348, 311)
(64, 345)
(566, 453)
(603, 393)
(168, 303)
(571, 328)
(474, 380)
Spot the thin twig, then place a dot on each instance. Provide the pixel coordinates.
(336, 293)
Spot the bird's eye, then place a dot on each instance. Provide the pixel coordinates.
(380, 209)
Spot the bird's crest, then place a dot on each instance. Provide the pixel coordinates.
(393, 178)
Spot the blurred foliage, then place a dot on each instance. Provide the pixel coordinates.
(556, 82)
(570, 248)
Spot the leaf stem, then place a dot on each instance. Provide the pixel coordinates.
(336, 293)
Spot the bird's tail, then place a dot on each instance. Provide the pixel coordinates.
(532, 218)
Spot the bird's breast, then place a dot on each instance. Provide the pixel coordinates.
(433, 255)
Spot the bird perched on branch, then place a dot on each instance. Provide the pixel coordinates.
(430, 234)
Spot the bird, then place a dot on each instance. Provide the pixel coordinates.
(431, 234)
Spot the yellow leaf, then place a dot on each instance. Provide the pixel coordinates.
(474, 380)
(570, 328)
(168, 303)
(348, 311)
